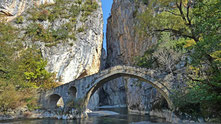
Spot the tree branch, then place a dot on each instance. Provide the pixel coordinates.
(2, 71)
(173, 13)
(188, 13)
(214, 87)
(179, 6)
(175, 32)
(195, 79)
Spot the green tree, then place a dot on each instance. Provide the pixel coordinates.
(199, 22)
(32, 65)
(206, 56)
(173, 16)
(22, 71)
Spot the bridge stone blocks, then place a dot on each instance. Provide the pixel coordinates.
(66, 92)
(85, 87)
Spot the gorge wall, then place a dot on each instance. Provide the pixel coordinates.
(124, 45)
(10, 9)
(69, 33)
(69, 58)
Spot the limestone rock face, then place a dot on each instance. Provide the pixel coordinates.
(123, 44)
(81, 58)
(71, 58)
(13, 8)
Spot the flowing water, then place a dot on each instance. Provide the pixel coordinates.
(123, 118)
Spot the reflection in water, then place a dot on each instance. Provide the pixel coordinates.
(122, 118)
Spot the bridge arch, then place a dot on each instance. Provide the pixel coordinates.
(132, 72)
(72, 92)
(55, 101)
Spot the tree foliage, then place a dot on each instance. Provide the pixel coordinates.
(22, 71)
(169, 16)
(198, 23)
(165, 54)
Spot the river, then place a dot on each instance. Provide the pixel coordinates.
(123, 118)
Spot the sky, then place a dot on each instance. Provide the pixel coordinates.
(106, 6)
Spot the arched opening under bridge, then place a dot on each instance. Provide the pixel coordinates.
(72, 91)
(139, 75)
(56, 101)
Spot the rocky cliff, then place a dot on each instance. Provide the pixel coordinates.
(69, 33)
(69, 57)
(124, 44)
(10, 9)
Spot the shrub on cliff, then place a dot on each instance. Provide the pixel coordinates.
(32, 65)
(12, 98)
(22, 72)
(7, 32)
(20, 79)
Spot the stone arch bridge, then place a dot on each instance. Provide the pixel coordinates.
(82, 89)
